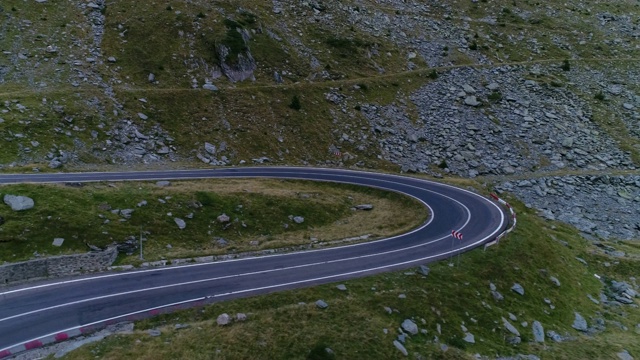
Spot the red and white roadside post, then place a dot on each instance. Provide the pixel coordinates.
(454, 235)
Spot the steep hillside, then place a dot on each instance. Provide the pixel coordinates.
(386, 83)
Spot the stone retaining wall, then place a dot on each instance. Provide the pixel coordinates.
(57, 266)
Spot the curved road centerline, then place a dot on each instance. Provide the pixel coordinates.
(38, 311)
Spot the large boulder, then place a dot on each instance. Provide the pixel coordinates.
(410, 327)
(580, 323)
(223, 319)
(19, 203)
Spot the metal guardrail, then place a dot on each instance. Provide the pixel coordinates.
(510, 229)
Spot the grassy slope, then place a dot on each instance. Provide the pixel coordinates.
(279, 327)
(264, 206)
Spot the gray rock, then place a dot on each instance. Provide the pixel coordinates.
(181, 326)
(514, 340)
(365, 207)
(341, 287)
(111, 59)
(181, 224)
(143, 116)
(471, 101)
(154, 332)
(567, 142)
(298, 219)
(400, 347)
(555, 280)
(402, 338)
(410, 327)
(623, 299)
(126, 213)
(468, 89)
(142, 203)
(163, 150)
(210, 148)
(58, 242)
(224, 218)
(19, 203)
(152, 77)
(210, 87)
(538, 331)
(468, 337)
(241, 317)
(424, 270)
(222, 242)
(594, 300)
(321, 304)
(55, 164)
(517, 288)
(223, 319)
(554, 336)
(512, 329)
(278, 78)
(497, 296)
(163, 183)
(580, 323)
(624, 355)
(583, 261)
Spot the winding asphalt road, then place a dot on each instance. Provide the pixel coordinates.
(38, 313)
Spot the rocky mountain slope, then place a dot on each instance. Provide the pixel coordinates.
(489, 88)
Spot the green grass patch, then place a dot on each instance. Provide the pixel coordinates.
(353, 324)
(259, 211)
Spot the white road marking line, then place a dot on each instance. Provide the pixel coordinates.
(272, 286)
(431, 218)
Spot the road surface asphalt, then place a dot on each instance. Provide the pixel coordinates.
(45, 309)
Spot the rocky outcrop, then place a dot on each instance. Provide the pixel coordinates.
(604, 206)
(524, 126)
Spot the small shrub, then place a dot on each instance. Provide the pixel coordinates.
(357, 108)
(295, 103)
(473, 46)
(443, 164)
(556, 84)
(201, 15)
(457, 343)
(599, 96)
(433, 74)
(168, 8)
(565, 65)
(363, 87)
(495, 96)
